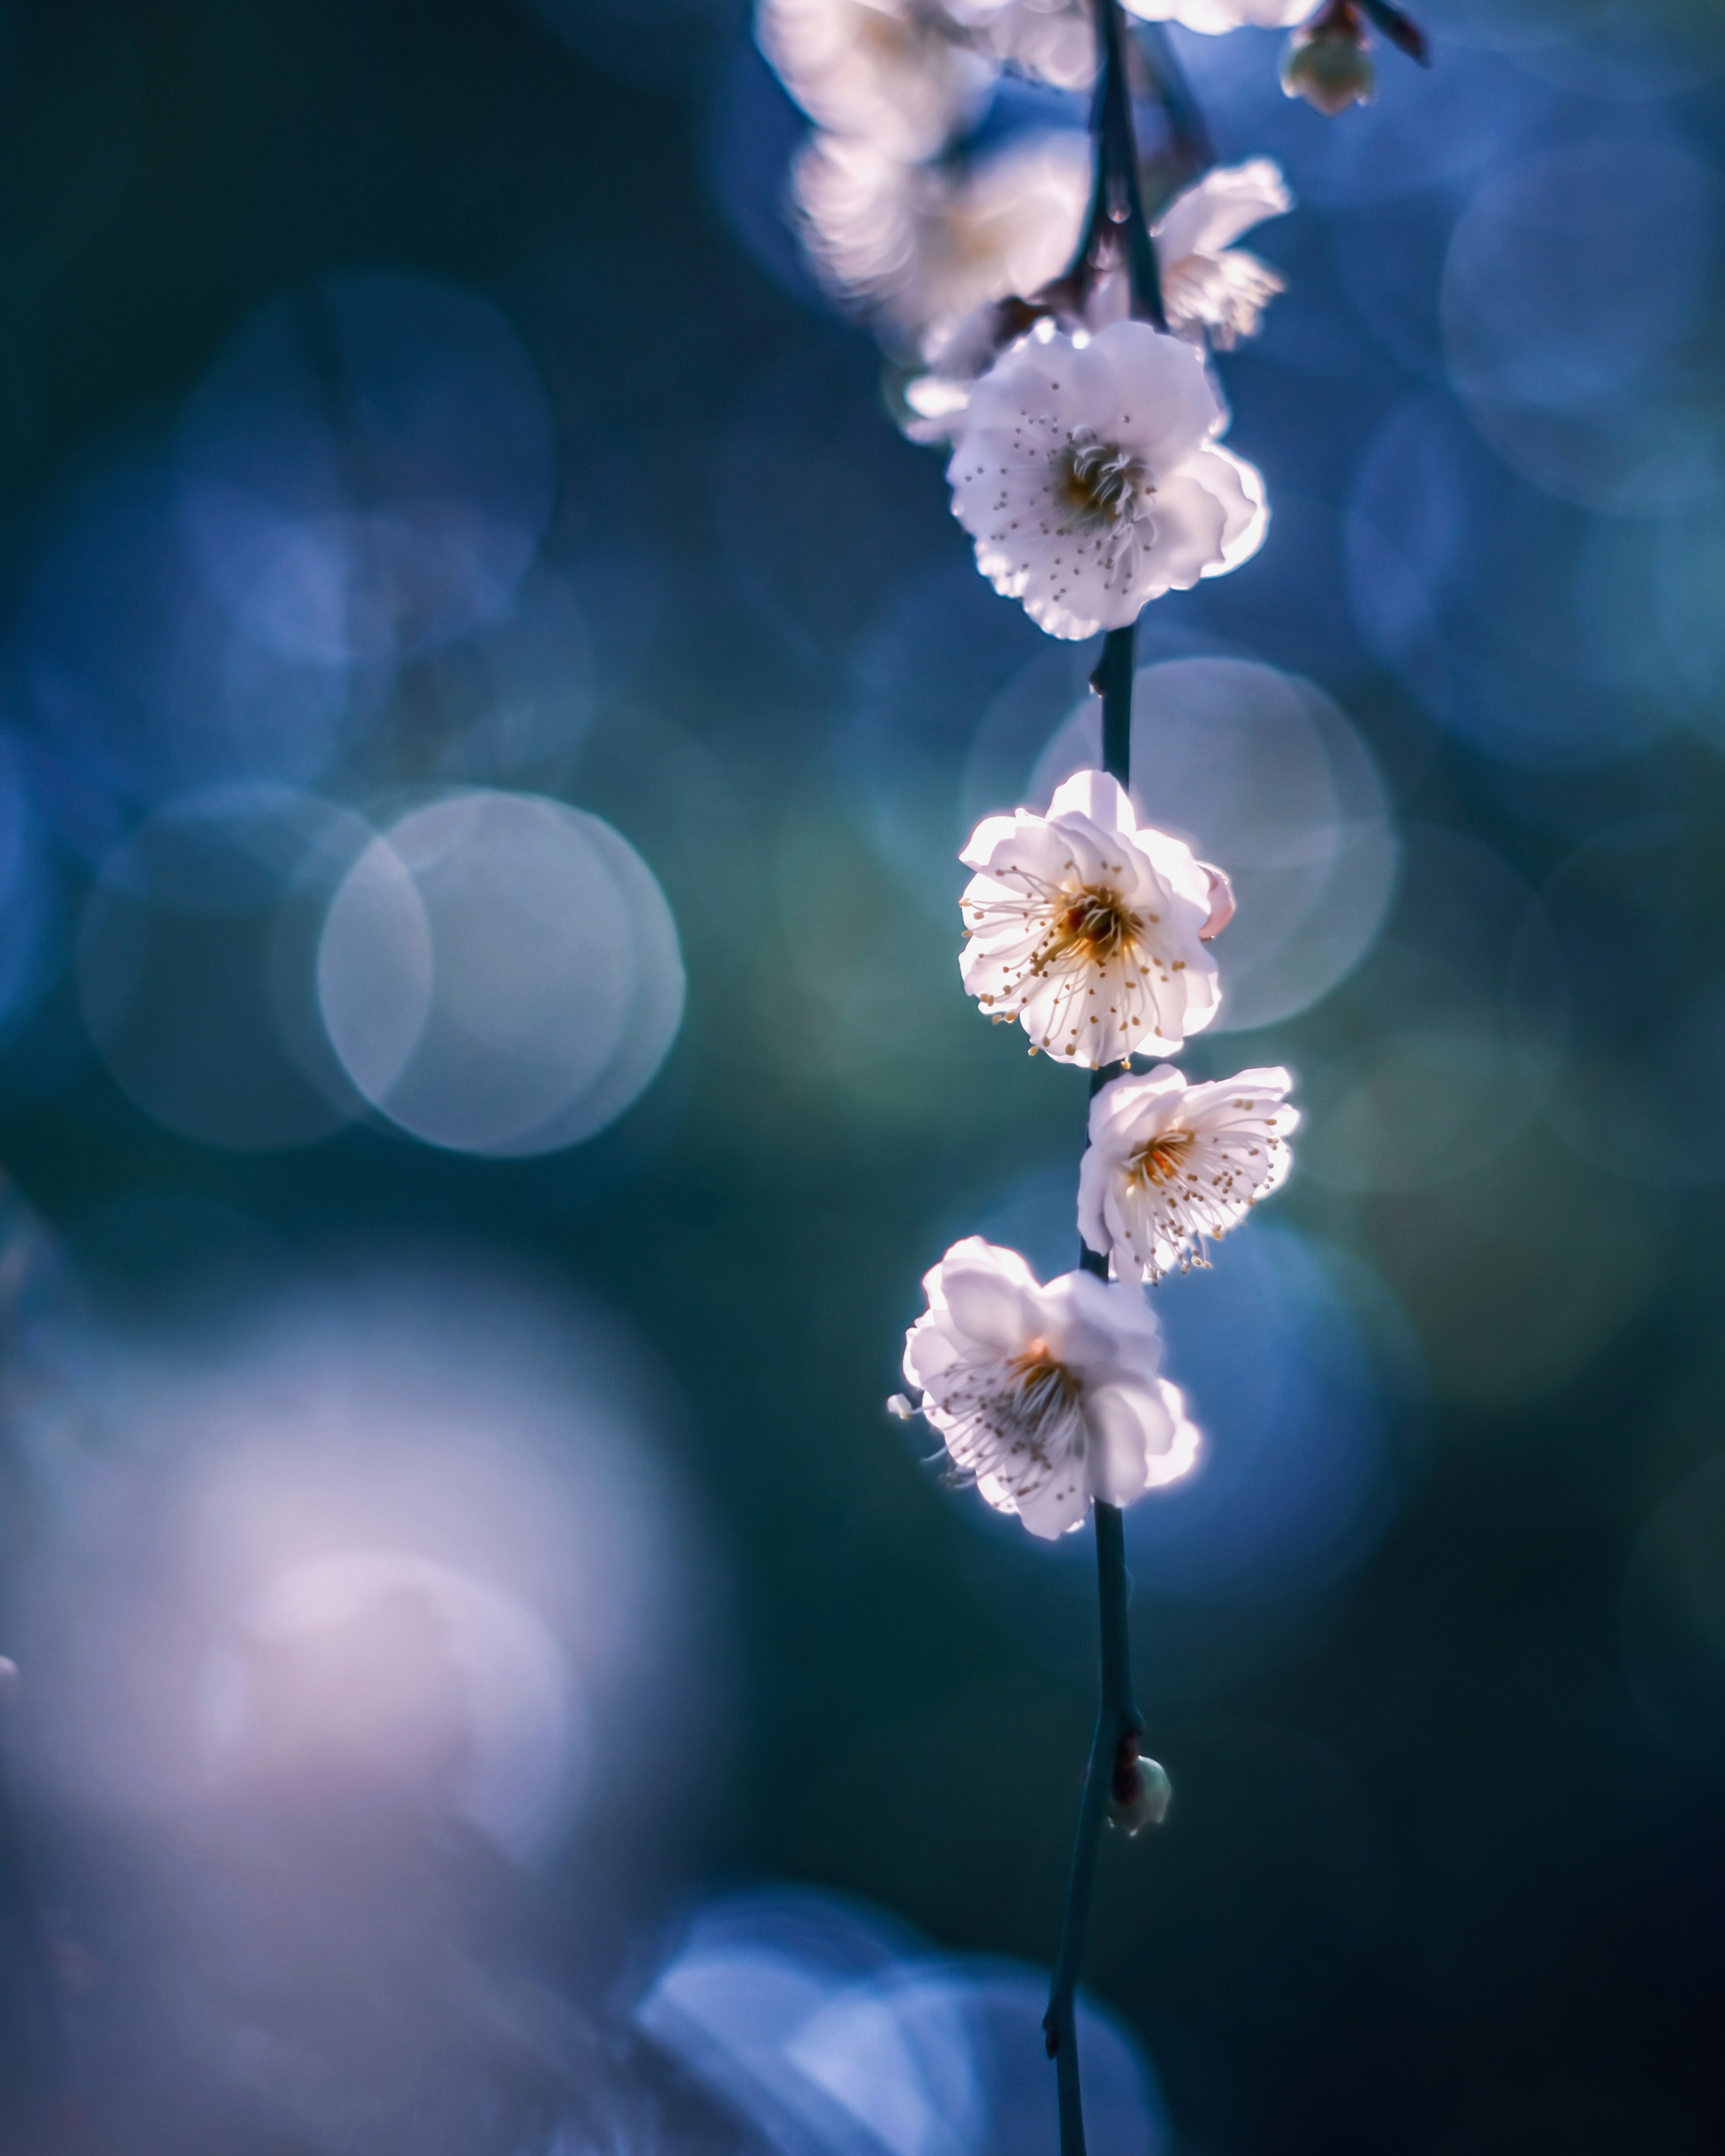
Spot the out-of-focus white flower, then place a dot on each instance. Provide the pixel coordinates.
(1049, 1397)
(1052, 41)
(1169, 1164)
(1086, 929)
(1087, 473)
(1215, 16)
(926, 246)
(1211, 290)
(894, 72)
(1209, 287)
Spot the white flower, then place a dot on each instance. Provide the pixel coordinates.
(1049, 1397)
(1087, 929)
(926, 245)
(1210, 288)
(1052, 41)
(1087, 473)
(1215, 16)
(893, 71)
(1169, 1163)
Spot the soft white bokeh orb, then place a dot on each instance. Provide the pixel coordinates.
(370, 1657)
(194, 966)
(1569, 284)
(1262, 773)
(836, 2033)
(367, 468)
(398, 1537)
(499, 974)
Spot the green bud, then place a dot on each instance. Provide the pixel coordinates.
(1329, 68)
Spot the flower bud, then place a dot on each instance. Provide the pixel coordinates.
(1328, 65)
(1140, 1796)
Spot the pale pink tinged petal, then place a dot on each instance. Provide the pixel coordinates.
(1185, 1444)
(1101, 1325)
(1240, 488)
(1215, 211)
(1094, 795)
(1167, 400)
(1060, 1504)
(1221, 911)
(985, 1305)
(1094, 1175)
(1191, 521)
(1128, 1424)
(992, 833)
(930, 1353)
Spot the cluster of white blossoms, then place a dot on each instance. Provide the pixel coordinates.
(1086, 465)
(1093, 931)
(901, 218)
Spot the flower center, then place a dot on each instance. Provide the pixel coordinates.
(1096, 922)
(1159, 1160)
(1099, 481)
(1047, 1391)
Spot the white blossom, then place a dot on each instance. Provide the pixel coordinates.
(925, 246)
(893, 72)
(1209, 287)
(1087, 928)
(1169, 1164)
(1087, 473)
(1215, 16)
(1049, 1396)
(1052, 41)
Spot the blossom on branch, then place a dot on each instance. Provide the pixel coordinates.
(925, 246)
(1209, 287)
(1024, 211)
(1169, 1164)
(1087, 929)
(1048, 1397)
(1051, 41)
(1087, 473)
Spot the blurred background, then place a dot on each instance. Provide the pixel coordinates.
(488, 709)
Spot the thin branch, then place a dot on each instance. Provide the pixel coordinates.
(1115, 230)
(1114, 1748)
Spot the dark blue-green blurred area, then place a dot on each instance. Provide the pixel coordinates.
(489, 708)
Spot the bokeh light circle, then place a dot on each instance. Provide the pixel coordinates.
(1636, 1092)
(367, 468)
(194, 966)
(835, 2033)
(1569, 282)
(499, 974)
(399, 1536)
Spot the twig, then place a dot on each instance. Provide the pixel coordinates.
(1117, 227)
